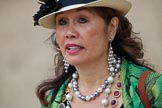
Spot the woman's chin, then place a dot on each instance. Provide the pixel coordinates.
(74, 63)
(75, 60)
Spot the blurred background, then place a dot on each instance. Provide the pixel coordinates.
(26, 58)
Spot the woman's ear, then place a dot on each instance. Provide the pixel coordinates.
(113, 25)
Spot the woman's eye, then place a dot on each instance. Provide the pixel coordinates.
(62, 22)
(82, 20)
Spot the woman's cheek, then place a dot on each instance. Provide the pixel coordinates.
(61, 44)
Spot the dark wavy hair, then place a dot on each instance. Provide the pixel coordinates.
(126, 45)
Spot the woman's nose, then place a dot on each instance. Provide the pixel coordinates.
(71, 32)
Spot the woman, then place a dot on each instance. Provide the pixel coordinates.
(99, 60)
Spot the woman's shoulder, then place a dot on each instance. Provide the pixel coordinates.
(55, 96)
(131, 73)
(137, 70)
(153, 85)
(130, 69)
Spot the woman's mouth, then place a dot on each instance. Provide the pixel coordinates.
(73, 49)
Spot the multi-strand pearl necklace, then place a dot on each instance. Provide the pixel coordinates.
(114, 66)
(74, 85)
(106, 86)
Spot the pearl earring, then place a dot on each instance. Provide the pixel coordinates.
(113, 61)
(66, 65)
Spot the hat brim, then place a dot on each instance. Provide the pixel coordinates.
(122, 6)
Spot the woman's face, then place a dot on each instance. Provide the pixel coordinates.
(82, 36)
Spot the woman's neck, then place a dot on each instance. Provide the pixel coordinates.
(91, 76)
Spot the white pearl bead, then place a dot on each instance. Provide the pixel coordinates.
(112, 69)
(99, 90)
(110, 66)
(75, 75)
(114, 61)
(104, 102)
(75, 83)
(113, 74)
(67, 107)
(66, 67)
(69, 97)
(117, 65)
(88, 98)
(77, 93)
(110, 79)
(70, 85)
(107, 90)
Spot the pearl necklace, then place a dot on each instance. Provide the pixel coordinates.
(74, 85)
(114, 66)
(106, 86)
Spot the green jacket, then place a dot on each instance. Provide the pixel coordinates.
(130, 74)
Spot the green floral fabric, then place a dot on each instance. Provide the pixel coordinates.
(130, 77)
(130, 74)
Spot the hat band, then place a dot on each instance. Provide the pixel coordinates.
(64, 3)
